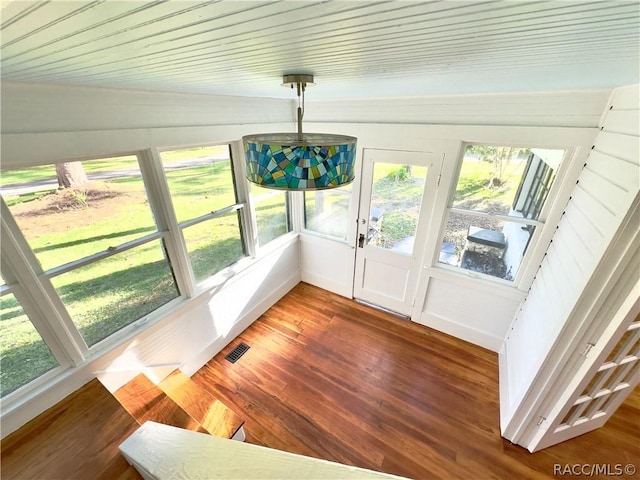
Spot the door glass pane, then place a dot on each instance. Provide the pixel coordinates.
(23, 354)
(105, 296)
(396, 196)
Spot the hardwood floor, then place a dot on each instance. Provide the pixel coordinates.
(330, 378)
(77, 438)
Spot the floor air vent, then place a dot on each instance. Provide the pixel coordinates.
(234, 355)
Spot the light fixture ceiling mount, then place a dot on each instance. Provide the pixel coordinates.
(300, 161)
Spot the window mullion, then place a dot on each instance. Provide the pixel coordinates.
(296, 205)
(504, 218)
(165, 217)
(37, 296)
(67, 267)
(243, 194)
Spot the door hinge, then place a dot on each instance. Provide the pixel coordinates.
(587, 349)
(439, 178)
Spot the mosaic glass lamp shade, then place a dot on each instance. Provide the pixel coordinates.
(300, 161)
(318, 161)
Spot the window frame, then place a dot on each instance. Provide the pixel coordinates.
(183, 269)
(33, 289)
(535, 246)
(326, 236)
(257, 200)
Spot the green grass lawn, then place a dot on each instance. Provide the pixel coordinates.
(102, 297)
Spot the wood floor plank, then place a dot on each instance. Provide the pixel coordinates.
(214, 416)
(145, 401)
(77, 438)
(329, 377)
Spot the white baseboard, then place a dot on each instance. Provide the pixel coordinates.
(463, 332)
(327, 283)
(200, 359)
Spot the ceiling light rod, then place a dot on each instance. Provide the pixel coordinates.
(299, 161)
(301, 81)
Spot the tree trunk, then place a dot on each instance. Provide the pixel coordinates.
(71, 174)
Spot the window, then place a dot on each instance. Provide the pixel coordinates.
(272, 213)
(204, 198)
(498, 202)
(97, 240)
(24, 356)
(327, 211)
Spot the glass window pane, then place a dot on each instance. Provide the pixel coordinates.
(200, 180)
(271, 209)
(62, 225)
(23, 354)
(396, 198)
(506, 180)
(214, 244)
(484, 244)
(114, 292)
(327, 211)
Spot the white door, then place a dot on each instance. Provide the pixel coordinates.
(609, 373)
(396, 199)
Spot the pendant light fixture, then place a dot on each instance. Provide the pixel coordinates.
(299, 161)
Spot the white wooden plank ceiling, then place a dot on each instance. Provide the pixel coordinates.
(354, 48)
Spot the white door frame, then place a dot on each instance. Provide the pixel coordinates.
(382, 276)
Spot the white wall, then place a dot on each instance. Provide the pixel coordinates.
(32, 108)
(608, 186)
(42, 124)
(476, 310)
(539, 109)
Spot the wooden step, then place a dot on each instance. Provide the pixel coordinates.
(213, 415)
(145, 401)
(77, 438)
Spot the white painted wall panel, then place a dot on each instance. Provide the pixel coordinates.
(49, 108)
(327, 264)
(619, 172)
(562, 109)
(607, 188)
(625, 122)
(473, 311)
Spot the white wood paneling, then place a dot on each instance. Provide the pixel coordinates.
(28, 108)
(472, 311)
(187, 338)
(355, 48)
(327, 264)
(607, 188)
(561, 109)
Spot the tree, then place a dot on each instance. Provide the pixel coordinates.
(499, 157)
(71, 174)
